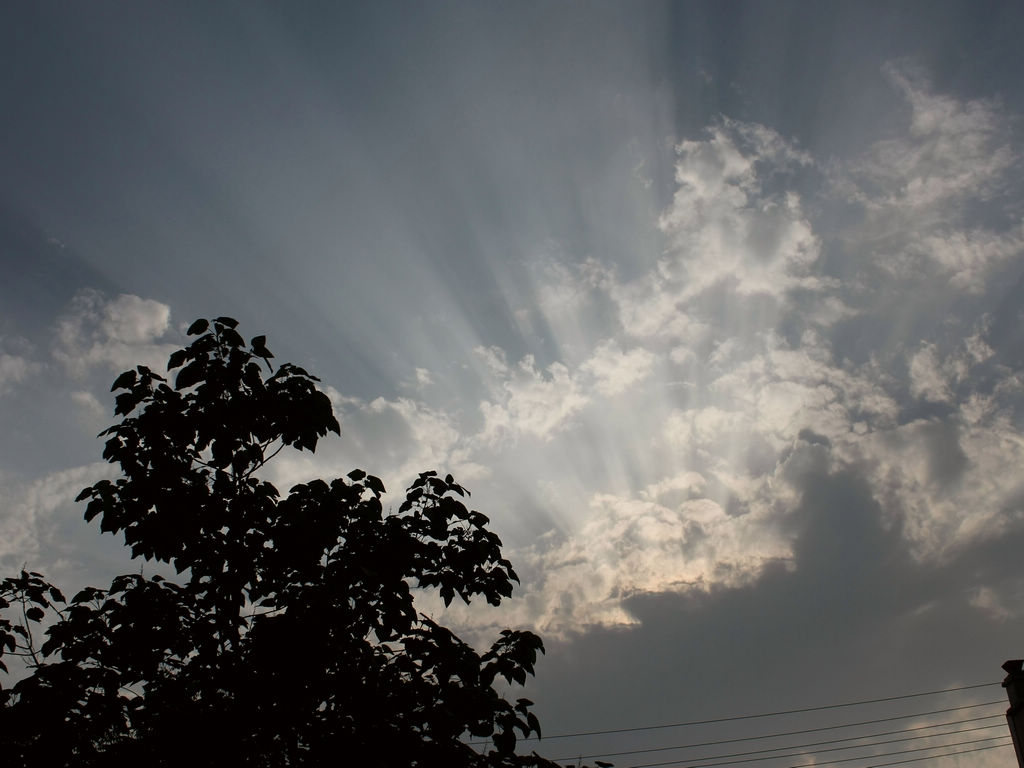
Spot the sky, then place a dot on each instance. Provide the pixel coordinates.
(715, 307)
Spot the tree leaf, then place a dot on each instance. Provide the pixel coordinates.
(125, 381)
(199, 326)
(191, 374)
(34, 614)
(176, 359)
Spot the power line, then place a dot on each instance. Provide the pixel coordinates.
(828, 762)
(801, 746)
(798, 753)
(937, 757)
(785, 712)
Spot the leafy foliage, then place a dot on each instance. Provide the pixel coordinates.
(291, 637)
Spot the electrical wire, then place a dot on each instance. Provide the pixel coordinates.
(781, 733)
(802, 710)
(937, 757)
(694, 764)
(804, 753)
(805, 745)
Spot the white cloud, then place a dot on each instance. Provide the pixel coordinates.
(433, 438)
(731, 227)
(757, 386)
(780, 390)
(752, 393)
(494, 360)
(33, 514)
(91, 409)
(631, 546)
(927, 379)
(392, 439)
(116, 333)
(953, 148)
(649, 307)
(532, 402)
(952, 484)
(968, 256)
(684, 484)
(723, 224)
(986, 600)
(919, 190)
(615, 371)
(15, 369)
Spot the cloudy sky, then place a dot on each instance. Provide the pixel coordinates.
(715, 307)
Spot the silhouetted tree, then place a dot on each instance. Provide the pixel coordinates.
(291, 636)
